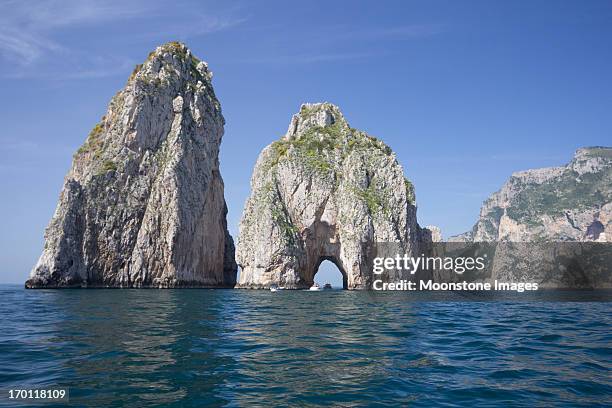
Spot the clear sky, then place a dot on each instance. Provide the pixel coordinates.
(465, 92)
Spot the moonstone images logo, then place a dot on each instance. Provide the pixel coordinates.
(421, 285)
(477, 266)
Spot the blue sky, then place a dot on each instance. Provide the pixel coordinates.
(464, 92)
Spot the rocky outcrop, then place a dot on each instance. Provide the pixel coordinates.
(143, 205)
(324, 191)
(552, 226)
(568, 203)
(431, 234)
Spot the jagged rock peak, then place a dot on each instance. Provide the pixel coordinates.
(315, 115)
(593, 152)
(172, 58)
(324, 191)
(591, 159)
(431, 233)
(142, 204)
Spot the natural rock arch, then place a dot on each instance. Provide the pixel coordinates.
(340, 269)
(324, 191)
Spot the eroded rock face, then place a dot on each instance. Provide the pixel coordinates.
(143, 205)
(325, 191)
(553, 226)
(568, 203)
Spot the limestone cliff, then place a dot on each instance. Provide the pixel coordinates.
(324, 191)
(143, 205)
(568, 203)
(552, 226)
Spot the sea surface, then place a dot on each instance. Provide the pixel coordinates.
(240, 348)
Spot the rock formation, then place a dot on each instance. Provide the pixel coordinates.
(324, 191)
(552, 226)
(567, 203)
(143, 205)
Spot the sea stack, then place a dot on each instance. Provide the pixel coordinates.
(143, 204)
(324, 191)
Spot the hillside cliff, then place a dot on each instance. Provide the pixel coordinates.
(552, 226)
(567, 203)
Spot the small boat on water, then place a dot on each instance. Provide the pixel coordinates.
(327, 286)
(315, 287)
(274, 288)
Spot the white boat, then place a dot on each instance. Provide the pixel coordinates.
(273, 289)
(315, 287)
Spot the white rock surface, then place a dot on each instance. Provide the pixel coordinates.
(324, 191)
(143, 205)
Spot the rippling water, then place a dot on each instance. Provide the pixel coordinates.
(257, 348)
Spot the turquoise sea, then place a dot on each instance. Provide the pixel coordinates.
(239, 348)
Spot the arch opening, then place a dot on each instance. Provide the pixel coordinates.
(328, 271)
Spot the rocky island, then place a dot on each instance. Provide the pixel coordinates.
(324, 191)
(143, 204)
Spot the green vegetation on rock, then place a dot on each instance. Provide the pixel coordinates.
(490, 222)
(324, 148)
(373, 198)
(94, 142)
(322, 151)
(288, 230)
(107, 166)
(569, 191)
(269, 197)
(410, 195)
